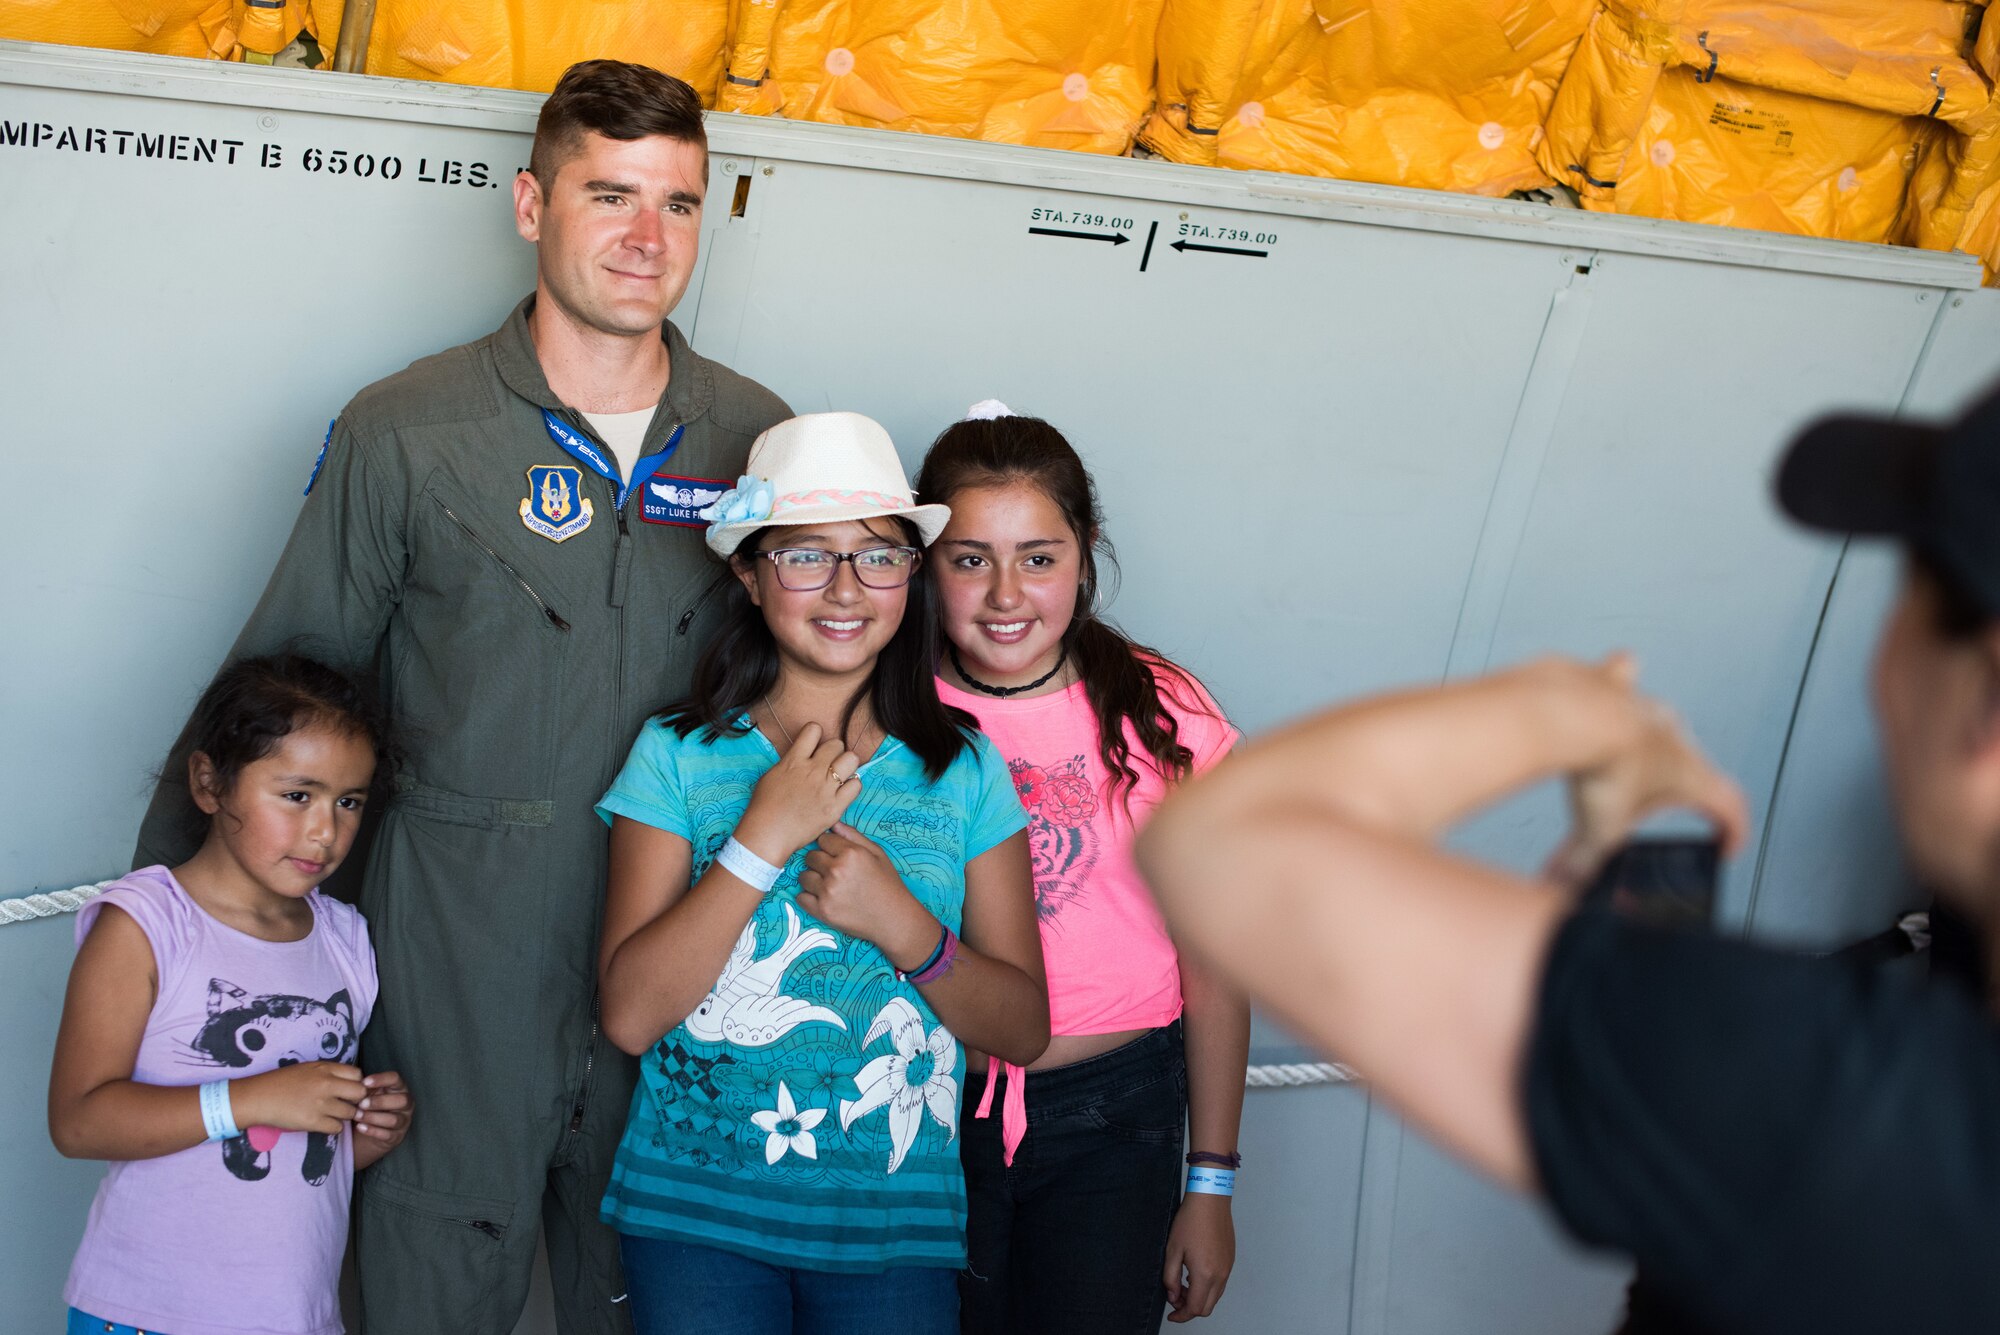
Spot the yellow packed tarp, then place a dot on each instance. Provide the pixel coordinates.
(1053, 73)
(1981, 236)
(1804, 116)
(1442, 94)
(503, 44)
(214, 29)
(1955, 194)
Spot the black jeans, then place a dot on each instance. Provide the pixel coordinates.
(1073, 1237)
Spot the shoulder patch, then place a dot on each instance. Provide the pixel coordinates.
(319, 461)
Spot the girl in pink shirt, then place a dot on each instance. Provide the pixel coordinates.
(222, 1001)
(1078, 1221)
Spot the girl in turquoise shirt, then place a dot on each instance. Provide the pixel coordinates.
(819, 884)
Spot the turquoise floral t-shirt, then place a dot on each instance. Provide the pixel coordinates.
(806, 1112)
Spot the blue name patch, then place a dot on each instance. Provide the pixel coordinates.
(679, 500)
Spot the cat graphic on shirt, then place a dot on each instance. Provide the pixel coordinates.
(242, 1030)
(1061, 803)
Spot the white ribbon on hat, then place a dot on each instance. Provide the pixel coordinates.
(987, 409)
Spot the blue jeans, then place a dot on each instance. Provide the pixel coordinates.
(1071, 1240)
(83, 1323)
(678, 1288)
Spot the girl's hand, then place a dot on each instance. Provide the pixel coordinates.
(1658, 767)
(849, 883)
(799, 797)
(384, 1112)
(311, 1096)
(1201, 1251)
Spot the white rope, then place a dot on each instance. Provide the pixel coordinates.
(1290, 1075)
(1294, 1074)
(29, 907)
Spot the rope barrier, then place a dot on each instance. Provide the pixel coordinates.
(1289, 1075)
(29, 907)
(1295, 1074)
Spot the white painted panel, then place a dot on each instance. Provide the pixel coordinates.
(1294, 522)
(1832, 872)
(43, 1196)
(1652, 526)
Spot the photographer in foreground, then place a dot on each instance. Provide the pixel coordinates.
(1782, 1143)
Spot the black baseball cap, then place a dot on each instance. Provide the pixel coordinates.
(1934, 486)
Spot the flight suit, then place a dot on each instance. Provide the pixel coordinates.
(521, 626)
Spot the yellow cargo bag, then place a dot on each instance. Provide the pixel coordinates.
(497, 44)
(212, 29)
(1982, 234)
(1441, 94)
(1053, 73)
(1803, 116)
(1955, 194)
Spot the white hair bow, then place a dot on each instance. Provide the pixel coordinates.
(987, 409)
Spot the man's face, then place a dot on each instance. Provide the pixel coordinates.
(1936, 699)
(617, 231)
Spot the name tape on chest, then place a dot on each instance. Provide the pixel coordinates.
(668, 499)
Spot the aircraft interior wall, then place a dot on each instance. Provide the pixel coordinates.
(1347, 436)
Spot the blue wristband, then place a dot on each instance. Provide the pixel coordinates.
(1203, 1181)
(216, 1116)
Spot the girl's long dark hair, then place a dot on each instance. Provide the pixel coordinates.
(740, 666)
(1123, 680)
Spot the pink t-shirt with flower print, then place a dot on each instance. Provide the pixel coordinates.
(1111, 964)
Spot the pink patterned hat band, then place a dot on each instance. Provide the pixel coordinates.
(800, 500)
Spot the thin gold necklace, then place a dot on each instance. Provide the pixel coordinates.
(772, 710)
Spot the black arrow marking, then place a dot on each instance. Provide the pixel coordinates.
(1117, 240)
(1219, 250)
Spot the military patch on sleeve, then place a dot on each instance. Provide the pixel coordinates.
(679, 500)
(555, 506)
(319, 462)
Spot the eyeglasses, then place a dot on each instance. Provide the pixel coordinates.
(803, 569)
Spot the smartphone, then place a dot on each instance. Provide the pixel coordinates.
(1669, 881)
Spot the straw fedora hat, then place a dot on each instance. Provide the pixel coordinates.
(821, 468)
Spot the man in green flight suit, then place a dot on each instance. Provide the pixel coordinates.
(506, 535)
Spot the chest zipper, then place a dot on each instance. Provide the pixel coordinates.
(701, 601)
(554, 617)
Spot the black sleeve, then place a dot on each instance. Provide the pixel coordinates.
(1783, 1144)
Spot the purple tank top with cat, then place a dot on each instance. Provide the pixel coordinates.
(241, 1237)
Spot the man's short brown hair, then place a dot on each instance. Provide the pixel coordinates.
(617, 100)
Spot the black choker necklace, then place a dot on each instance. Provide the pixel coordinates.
(1002, 692)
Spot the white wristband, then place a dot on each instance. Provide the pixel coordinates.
(216, 1116)
(1211, 1181)
(747, 867)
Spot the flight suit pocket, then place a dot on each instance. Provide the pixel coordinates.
(434, 1256)
(508, 571)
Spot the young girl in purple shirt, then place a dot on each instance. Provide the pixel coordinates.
(208, 1039)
